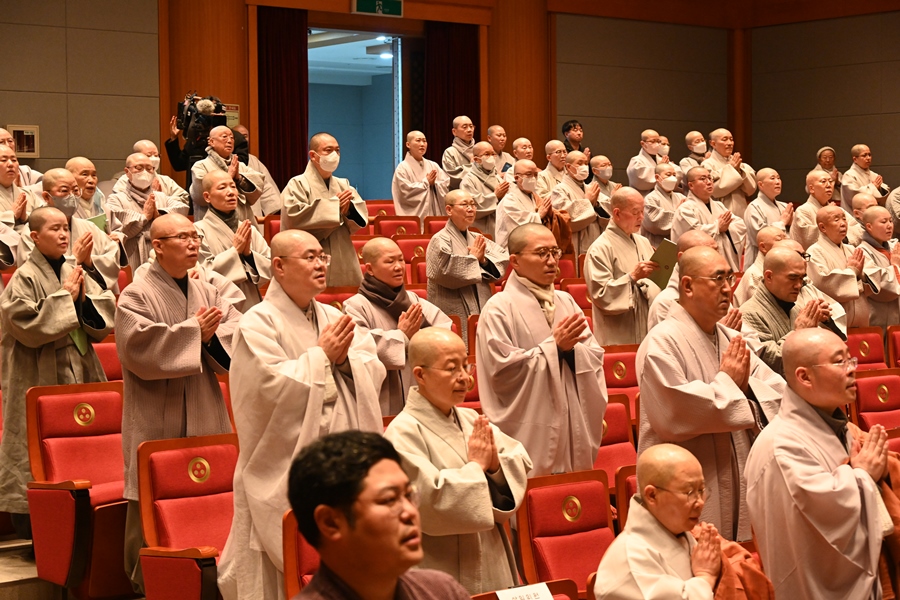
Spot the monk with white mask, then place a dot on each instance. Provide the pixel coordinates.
(734, 180)
(660, 205)
(419, 184)
(642, 166)
(484, 183)
(602, 168)
(766, 211)
(522, 205)
(457, 158)
(588, 217)
(697, 151)
(161, 183)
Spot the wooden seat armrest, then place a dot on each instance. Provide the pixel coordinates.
(195, 553)
(72, 484)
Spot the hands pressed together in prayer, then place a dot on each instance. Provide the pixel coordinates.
(242, 237)
(724, 221)
(545, 206)
(345, 197)
(787, 215)
(706, 559)
(19, 207)
(209, 319)
(733, 319)
(410, 320)
(592, 192)
(478, 248)
(74, 284)
(336, 338)
(736, 362)
(234, 168)
(482, 447)
(569, 331)
(812, 314)
(83, 248)
(150, 211)
(431, 177)
(856, 261)
(735, 161)
(871, 456)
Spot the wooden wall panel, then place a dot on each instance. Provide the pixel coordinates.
(476, 12)
(704, 13)
(779, 12)
(740, 91)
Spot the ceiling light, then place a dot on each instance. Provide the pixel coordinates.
(381, 38)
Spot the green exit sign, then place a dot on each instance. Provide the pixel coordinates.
(387, 8)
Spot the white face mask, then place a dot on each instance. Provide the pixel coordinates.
(329, 162)
(663, 150)
(653, 149)
(581, 172)
(699, 148)
(67, 205)
(488, 163)
(142, 179)
(604, 173)
(155, 160)
(669, 183)
(528, 184)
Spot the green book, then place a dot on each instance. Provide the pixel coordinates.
(667, 257)
(99, 221)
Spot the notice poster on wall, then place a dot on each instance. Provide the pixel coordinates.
(27, 139)
(232, 115)
(384, 8)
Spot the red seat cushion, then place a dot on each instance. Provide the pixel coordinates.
(107, 493)
(194, 521)
(574, 557)
(109, 359)
(97, 459)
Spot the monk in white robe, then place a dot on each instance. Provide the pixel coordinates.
(825, 162)
(767, 237)
(457, 159)
(235, 249)
(856, 229)
(522, 149)
(173, 334)
(521, 205)
(660, 205)
(50, 313)
(859, 178)
(16, 202)
(161, 183)
(484, 183)
(460, 264)
(700, 211)
(392, 315)
(419, 184)
(533, 342)
(269, 202)
(734, 180)
(803, 227)
(602, 169)
(301, 371)
(840, 270)
(471, 477)
(556, 168)
(765, 211)
(641, 168)
(659, 307)
(616, 271)
(587, 216)
(703, 388)
(132, 212)
(697, 151)
(327, 207)
(496, 137)
(812, 487)
(220, 157)
(91, 201)
(771, 308)
(884, 306)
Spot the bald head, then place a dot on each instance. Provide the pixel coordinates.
(552, 146)
(521, 236)
(524, 166)
(481, 148)
(826, 213)
(145, 147)
(77, 163)
(428, 345)
(861, 202)
(285, 242)
(321, 139)
(242, 130)
(165, 224)
(576, 156)
(780, 259)
(694, 238)
(790, 244)
(376, 247)
(461, 120)
(624, 196)
(214, 177)
(648, 134)
(692, 138)
(805, 348)
(54, 176)
(873, 213)
(718, 134)
(456, 196)
(136, 158)
(767, 237)
(658, 464)
(6, 139)
(765, 172)
(857, 150)
(39, 217)
(413, 135)
(696, 260)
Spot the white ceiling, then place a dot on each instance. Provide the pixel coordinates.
(339, 57)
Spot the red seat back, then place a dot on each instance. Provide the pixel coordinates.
(124, 278)
(301, 561)
(380, 208)
(359, 241)
(109, 359)
(893, 337)
(271, 227)
(417, 270)
(412, 246)
(617, 447)
(390, 225)
(626, 487)
(566, 268)
(434, 224)
(420, 290)
(7, 275)
(621, 374)
(336, 296)
(186, 490)
(878, 399)
(578, 290)
(867, 345)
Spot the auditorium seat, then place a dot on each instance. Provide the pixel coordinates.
(621, 374)
(565, 526)
(125, 278)
(471, 329)
(456, 327)
(867, 345)
(893, 344)
(877, 399)
(577, 288)
(225, 386)
(271, 226)
(301, 561)
(187, 505)
(391, 225)
(626, 487)
(109, 359)
(617, 447)
(581, 258)
(417, 270)
(7, 275)
(335, 296)
(412, 246)
(560, 589)
(367, 230)
(472, 399)
(592, 580)
(420, 289)
(380, 208)
(433, 225)
(565, 268)
(76, 504)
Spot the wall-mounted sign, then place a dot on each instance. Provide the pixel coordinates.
(386, 8)
(28, 140)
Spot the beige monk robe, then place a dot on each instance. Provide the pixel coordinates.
(457, 283)
(8, 197)
(693, 213)
(803, 226)
(884, 307)
(217, 252)
(893, 205)
(37, 316)
(855, 230)
(125, 215)
(167, 185)
(171, 390)
(413, 195)
(687, 400)
(392, 344)
(762, 212)
(585, 223)
(641, 172)
(731, 186)
(647, 562)
(857, 180)
(92, 207)
(251, 181)
(836, 190)
(620, 304)
(311, 204)
(270, 201)
(815, 518)
(462, 508)
(547, 180)
(516, 208)
(457, 160)
(104, 253)
(286, 394)
(481, 185)
(519, 362)
(659, 212)
(750, 281)
(829, 272)
(229, 292)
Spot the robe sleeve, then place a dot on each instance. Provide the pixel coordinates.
(122, 216)
(485, 198)
(105, 257)
(884, 277)
(33, 320)
(410, 193)
(610, 294)
(229, 263)
(748, 183)
(544, 185)
(687, 214)
(839, 283)
(804, 229)
(726, 181)
(454, 271)
(657, 220)
(173, 190)
(453, 167)
(640, 174)
(580, 209)
(390, 344)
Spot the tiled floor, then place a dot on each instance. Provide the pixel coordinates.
(18, 575)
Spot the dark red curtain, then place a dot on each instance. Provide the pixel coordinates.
(452, 83)
(283, 91)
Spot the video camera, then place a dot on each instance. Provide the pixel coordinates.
(196, 116)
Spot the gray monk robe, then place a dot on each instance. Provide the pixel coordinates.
(884, 307)
(547, 180)
(587, 220)
(378, 315)
(217, 252)
(250, 182)
(125, 214)
(286, 394)
(551, 401)
(829, 272)
(311, 204)
(462, 508)
(803, 226)
(171, 390)
(412, 193)
(40, 324)
(457, 284)
(481, 185)
(687, 400)
(693, 213)
(762, 212)
(457, 160)
(659, 212)
(731, 186)
(766, 315)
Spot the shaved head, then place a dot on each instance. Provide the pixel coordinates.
(519, 142)
(647, 134)
(428, 345)
(413, 135)
(481, 147)
(858, 149)
(457, 196)
(767, 237)
(789, 243)
(691, 136)
(143, 146)
(658, 464)
(284, 242)
(862, 201)
(624, 196)
(765, 172)
(826, 212)
(460, 120)
(53, 176)
(523, 166)
(575, 155)
(553, 145)
(521, 235)
(316, 141)
(376, 247)
(779, 259)
(719, 133)
(165, 224)
(869, 215)
(694, 238)
(695, 260)
(77, 163)
(212, 178)
(803, 348)
(694, 173)
(135, 158)
(242, 130)
(39, 216)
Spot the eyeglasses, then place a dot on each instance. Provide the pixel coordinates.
(692, 495)
(804, 255)
(311, 260)
(545, 253)
(848, 364)
(466, 205)
(139, 168)
(560, 152)
(395, 504)
(467, 370)
(184, 238)
(720, 278)
(702, 178)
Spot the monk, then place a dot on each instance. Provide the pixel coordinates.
(641, 167)
(220, 156)
(660, 205)
(765, 211)
(734, 180)
(457, 159)
(419, 184)
(486, 186)
(588, 212)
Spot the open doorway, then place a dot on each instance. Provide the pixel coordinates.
(354, 94)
